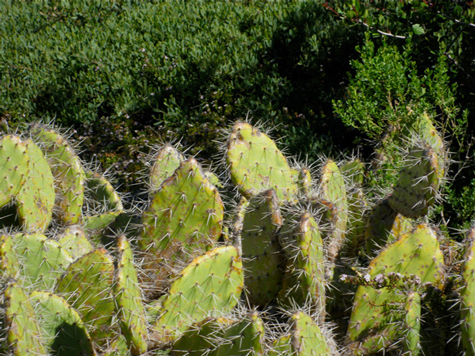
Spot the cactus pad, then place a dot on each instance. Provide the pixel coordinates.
(167, 160)
(21, 331)
(63, 330)
(87, 287)
(74, 240)
(185, 215)
(128, 298)
(14, 167)
(417, 185)
(416, 255)
(261, 251)
(256, 164)
(67, 170)
(35, 199)
(212, 283)
(307, 338)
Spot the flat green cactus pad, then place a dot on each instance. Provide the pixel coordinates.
(333, 190)
(222, 337)
(87, 287)
(307, 338)
(42, 260)
(384, 227)
(167, 160)
(412, 325)
(256, 164)
(117, 347)
(21, 332)
(417, 185)
(467, 295)
(211, 284)
(304, 281)
(262, 254)
(430, 135)
(35, 200)
(63, 330)
(128, 298)
(415, 254)
(67, 170)
(14, 167)
(353, 171)
(281, 346)
(356, 226)
(74, 240)
(185, 216)
(9, 263)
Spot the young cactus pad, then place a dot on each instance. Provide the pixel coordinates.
(74, 240)
(256, 164)
(128, 298)
(468, 295)
(414, 255)
(35, 200)
(14, 167)
(261, 251)
(184, 216)
(417, 185)
(68, 173)
(63, 330)
(87, 286)
(211, 283)
(21, 334)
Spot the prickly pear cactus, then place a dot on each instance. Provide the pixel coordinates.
(212, 283)
(75, 241)
(128, 298)
(14, 167)
(418, 184)
(68, 173)
(262, 254)
(256, 164)
(9, 263)
(87, 286)
(64, 333)
(35, 200)
(184, 217)
(414, 259)
(21, 333)
(412, 325)
(166, 161)
(304, 281)
(41, 260)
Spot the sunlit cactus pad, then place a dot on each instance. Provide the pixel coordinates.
(167, 160)
(212, 283)
(256, 164)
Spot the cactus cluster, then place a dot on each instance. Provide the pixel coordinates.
(266, 259)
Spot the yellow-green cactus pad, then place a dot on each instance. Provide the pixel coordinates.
(64, 333)
(21, 333)
(430, 136)
(356, 226)
(9, 263)
(35, 200)
(417, 185)
(256, 164)
(42, 260)
(74, 240)
(281, 346)
(333, 190)
(261, 251)
(412, 325)
(211, 284)
(166, 161)
(87, 287)
(14, 167)
(304, 281)
(354, 172)
(307, 338)
(128, 298)
(184, 216)
(67, 170)
(414, 255)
